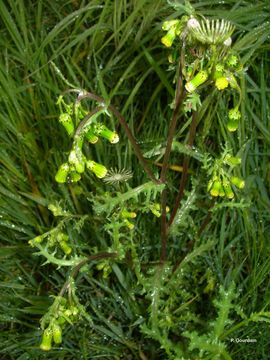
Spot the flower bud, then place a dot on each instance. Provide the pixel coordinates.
(167, 25)
(57, 333)
(66, 120)
(127, 214)
(74, 310)
(188, 72)
(46, 343)
(74, 176)
(228, 190)
(221, 83)
(218, 71)
(220, 67)
(155, 209)
(129, 224)
(232, 61)
(81, 112)
(198, 80)
(90, 136)
(62, 236)
(232, 125)
(234, 114)
(216, 187)
(62, 173)
(67, 313)
(36, 240)
(209, 185)
(237, 182)
(168, 39)
(76, 159)
(64, 246)
(61, 320)
(78, 141)
(170, 59)
(103, 131)
(232, 81)
(232, 160)
(221, 191)
(98, 169)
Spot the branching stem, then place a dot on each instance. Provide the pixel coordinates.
(125, 126)
(76, 269)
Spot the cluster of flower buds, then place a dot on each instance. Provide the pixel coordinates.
(51, 334)
(126, 216)
(222, 77)
(66, 313)
(214, 40)
(76, 111)
(66, 172)
(221, 183)
(173, 28)
(224, 73)
(62, 240)
(66, 114)
(72, 170)
(93, 132)
(222, 186)
(77, 163)
(156, 209)
(105, 267)
(54, 239)
(70, 173)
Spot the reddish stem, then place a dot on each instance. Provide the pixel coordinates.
(184, 177)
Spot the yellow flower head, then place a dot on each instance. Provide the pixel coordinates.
(221, 83)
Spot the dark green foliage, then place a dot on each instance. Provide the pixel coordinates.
(214, 288)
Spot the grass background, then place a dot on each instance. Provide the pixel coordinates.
(113, 48)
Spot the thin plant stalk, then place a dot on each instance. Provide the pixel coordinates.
(76, 269)
(179, 96)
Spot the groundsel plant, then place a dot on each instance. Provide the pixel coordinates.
(205, 64)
